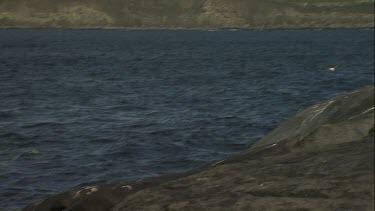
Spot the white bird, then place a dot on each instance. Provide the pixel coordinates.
(333, 69)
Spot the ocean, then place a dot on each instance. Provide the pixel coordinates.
(79, 107)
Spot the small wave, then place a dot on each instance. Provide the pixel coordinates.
(141, 125)
(26, 154)
(126, 107)
(12, 135)
(102, 140)
(43, 124)
(32, 151)
(164, 132)
(5, 114)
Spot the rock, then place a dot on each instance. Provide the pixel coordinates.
(343, 119)
(320, 159)
(338, 178)
(98, 197)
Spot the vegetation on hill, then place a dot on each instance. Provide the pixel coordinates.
(186, 14)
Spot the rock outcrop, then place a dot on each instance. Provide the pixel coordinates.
(342, 119)
(186, 14)
(321, 159)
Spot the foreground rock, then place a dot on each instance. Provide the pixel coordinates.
(321, 159)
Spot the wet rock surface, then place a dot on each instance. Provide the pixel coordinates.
(321, 159)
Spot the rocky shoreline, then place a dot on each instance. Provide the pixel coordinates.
(320, 159)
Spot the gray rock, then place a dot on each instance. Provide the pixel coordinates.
(342, 119)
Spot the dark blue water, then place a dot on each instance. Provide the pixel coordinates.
(78, 107)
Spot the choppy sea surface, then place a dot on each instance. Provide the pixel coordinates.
(93, 106)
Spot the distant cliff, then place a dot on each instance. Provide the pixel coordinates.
(187, 14)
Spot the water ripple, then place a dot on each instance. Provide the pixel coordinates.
(80, 107)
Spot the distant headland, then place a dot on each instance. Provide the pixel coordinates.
(187, 14)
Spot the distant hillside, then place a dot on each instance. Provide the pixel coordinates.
(175, 14)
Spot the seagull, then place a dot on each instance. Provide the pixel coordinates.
(333, 69)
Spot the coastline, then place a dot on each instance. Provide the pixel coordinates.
(189, 29)
(187, 15)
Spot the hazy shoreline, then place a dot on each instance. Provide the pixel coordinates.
(187, 15)
(185, 29)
